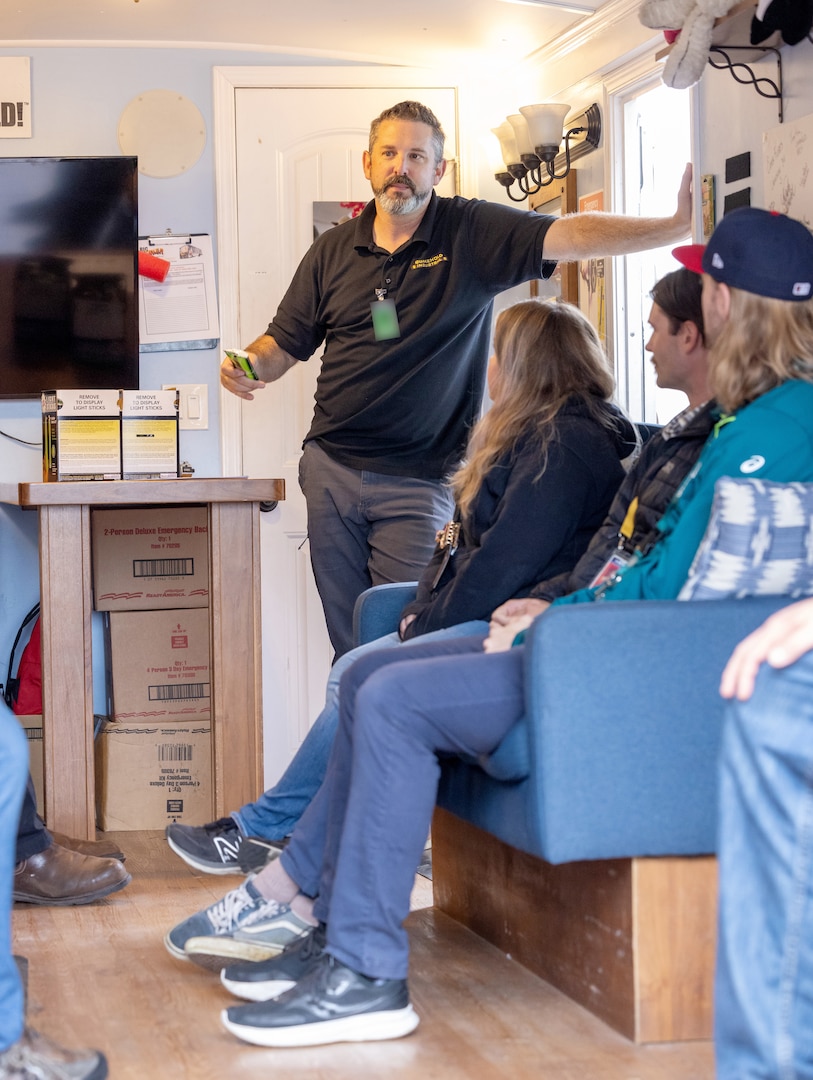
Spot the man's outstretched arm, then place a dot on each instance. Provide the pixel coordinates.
(587, 235)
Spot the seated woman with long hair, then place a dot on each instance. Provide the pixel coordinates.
(543, 465)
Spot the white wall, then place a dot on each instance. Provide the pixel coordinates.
(77, 97)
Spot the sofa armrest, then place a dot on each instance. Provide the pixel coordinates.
(624, 719)
(378, 610)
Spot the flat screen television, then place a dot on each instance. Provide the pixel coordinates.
(68, 274)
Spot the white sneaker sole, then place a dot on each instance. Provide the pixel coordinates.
(215, 953)
(257, 991)
(173, 950)
(364, 1027)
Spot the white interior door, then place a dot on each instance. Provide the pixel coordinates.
(294, 146)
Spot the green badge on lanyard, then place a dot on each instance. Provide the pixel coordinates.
(385, 319)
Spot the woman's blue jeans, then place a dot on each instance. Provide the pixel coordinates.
(764, 988)
(277, 810)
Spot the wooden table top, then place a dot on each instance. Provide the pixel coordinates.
(129, 492)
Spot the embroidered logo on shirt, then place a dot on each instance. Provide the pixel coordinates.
(751, 464)
(424, 264)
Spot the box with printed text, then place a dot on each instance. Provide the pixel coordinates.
(159, 665)
(32, 725)
(151, 775)
(150, 557)
(149, 434)
(81, 435)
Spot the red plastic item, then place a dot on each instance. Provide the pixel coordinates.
(152, 267)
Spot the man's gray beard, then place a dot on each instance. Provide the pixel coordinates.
(401, 204)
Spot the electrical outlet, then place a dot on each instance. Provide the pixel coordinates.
(193, 405)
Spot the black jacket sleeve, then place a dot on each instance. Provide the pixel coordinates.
(532, 528)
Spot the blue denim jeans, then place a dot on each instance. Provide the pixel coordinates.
(360, 840)
(13, 777)
(276, 812)
(764, 987)
(365, 528)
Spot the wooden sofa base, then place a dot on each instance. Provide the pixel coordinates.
(632, 940)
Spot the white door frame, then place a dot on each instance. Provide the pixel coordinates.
(634, 76)
(227, 80)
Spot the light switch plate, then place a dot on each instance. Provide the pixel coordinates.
(193, 405)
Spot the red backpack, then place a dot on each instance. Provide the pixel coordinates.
(23, 693)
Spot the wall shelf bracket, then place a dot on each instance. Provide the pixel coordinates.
(743, 73)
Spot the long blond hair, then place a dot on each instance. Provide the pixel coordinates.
(546, 352)
(764, 343)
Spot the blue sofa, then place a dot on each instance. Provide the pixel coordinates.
(616, 755)
(614, 763)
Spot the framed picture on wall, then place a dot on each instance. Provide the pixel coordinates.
(557, 199)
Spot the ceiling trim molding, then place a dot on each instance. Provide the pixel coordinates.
(302, 52)
(605, 19)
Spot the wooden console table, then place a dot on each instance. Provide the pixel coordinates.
(65, 621)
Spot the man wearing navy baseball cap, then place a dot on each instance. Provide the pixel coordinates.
(759, 251)
(753, 254)
(758, 308)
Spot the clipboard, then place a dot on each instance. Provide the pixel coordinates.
(181, 311)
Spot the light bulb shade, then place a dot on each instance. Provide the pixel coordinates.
(508, 143)
(521, 133)
(545, 123)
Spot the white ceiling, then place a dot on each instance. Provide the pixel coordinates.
(432, 33)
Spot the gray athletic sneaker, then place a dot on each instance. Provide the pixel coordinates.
(220, 847)
(260, 939)
(239, 908)
(270, 978)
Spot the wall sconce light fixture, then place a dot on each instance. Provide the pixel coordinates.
(530, 143)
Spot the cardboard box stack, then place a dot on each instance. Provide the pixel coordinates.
(153, 758)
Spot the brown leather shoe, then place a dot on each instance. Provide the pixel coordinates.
(36, 1055)
(102, 849)
(58, 876)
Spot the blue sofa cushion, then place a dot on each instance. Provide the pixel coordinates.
(758, 542)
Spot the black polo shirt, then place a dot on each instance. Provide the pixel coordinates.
(404, 406)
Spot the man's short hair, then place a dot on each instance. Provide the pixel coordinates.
(417, 113)
(677, 294)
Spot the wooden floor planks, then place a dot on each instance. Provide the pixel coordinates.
(100, 976)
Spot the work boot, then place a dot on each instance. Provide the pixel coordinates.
(101, 849)
(59, 877)
(35, 1057)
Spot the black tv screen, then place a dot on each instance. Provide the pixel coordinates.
(68, 274)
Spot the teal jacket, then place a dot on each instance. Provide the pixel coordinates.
(772, 438)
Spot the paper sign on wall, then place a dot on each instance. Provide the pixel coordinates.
(15, 97)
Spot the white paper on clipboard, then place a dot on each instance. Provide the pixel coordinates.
(179, 312)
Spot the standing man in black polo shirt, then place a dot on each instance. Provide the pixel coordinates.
(401, 296)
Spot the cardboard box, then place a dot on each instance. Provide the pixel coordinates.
(151, 775)
(159, 665)
(152, 557)
(149, 434)
(81, 435)
(33, 730)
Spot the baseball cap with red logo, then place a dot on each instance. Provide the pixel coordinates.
(758, 251)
